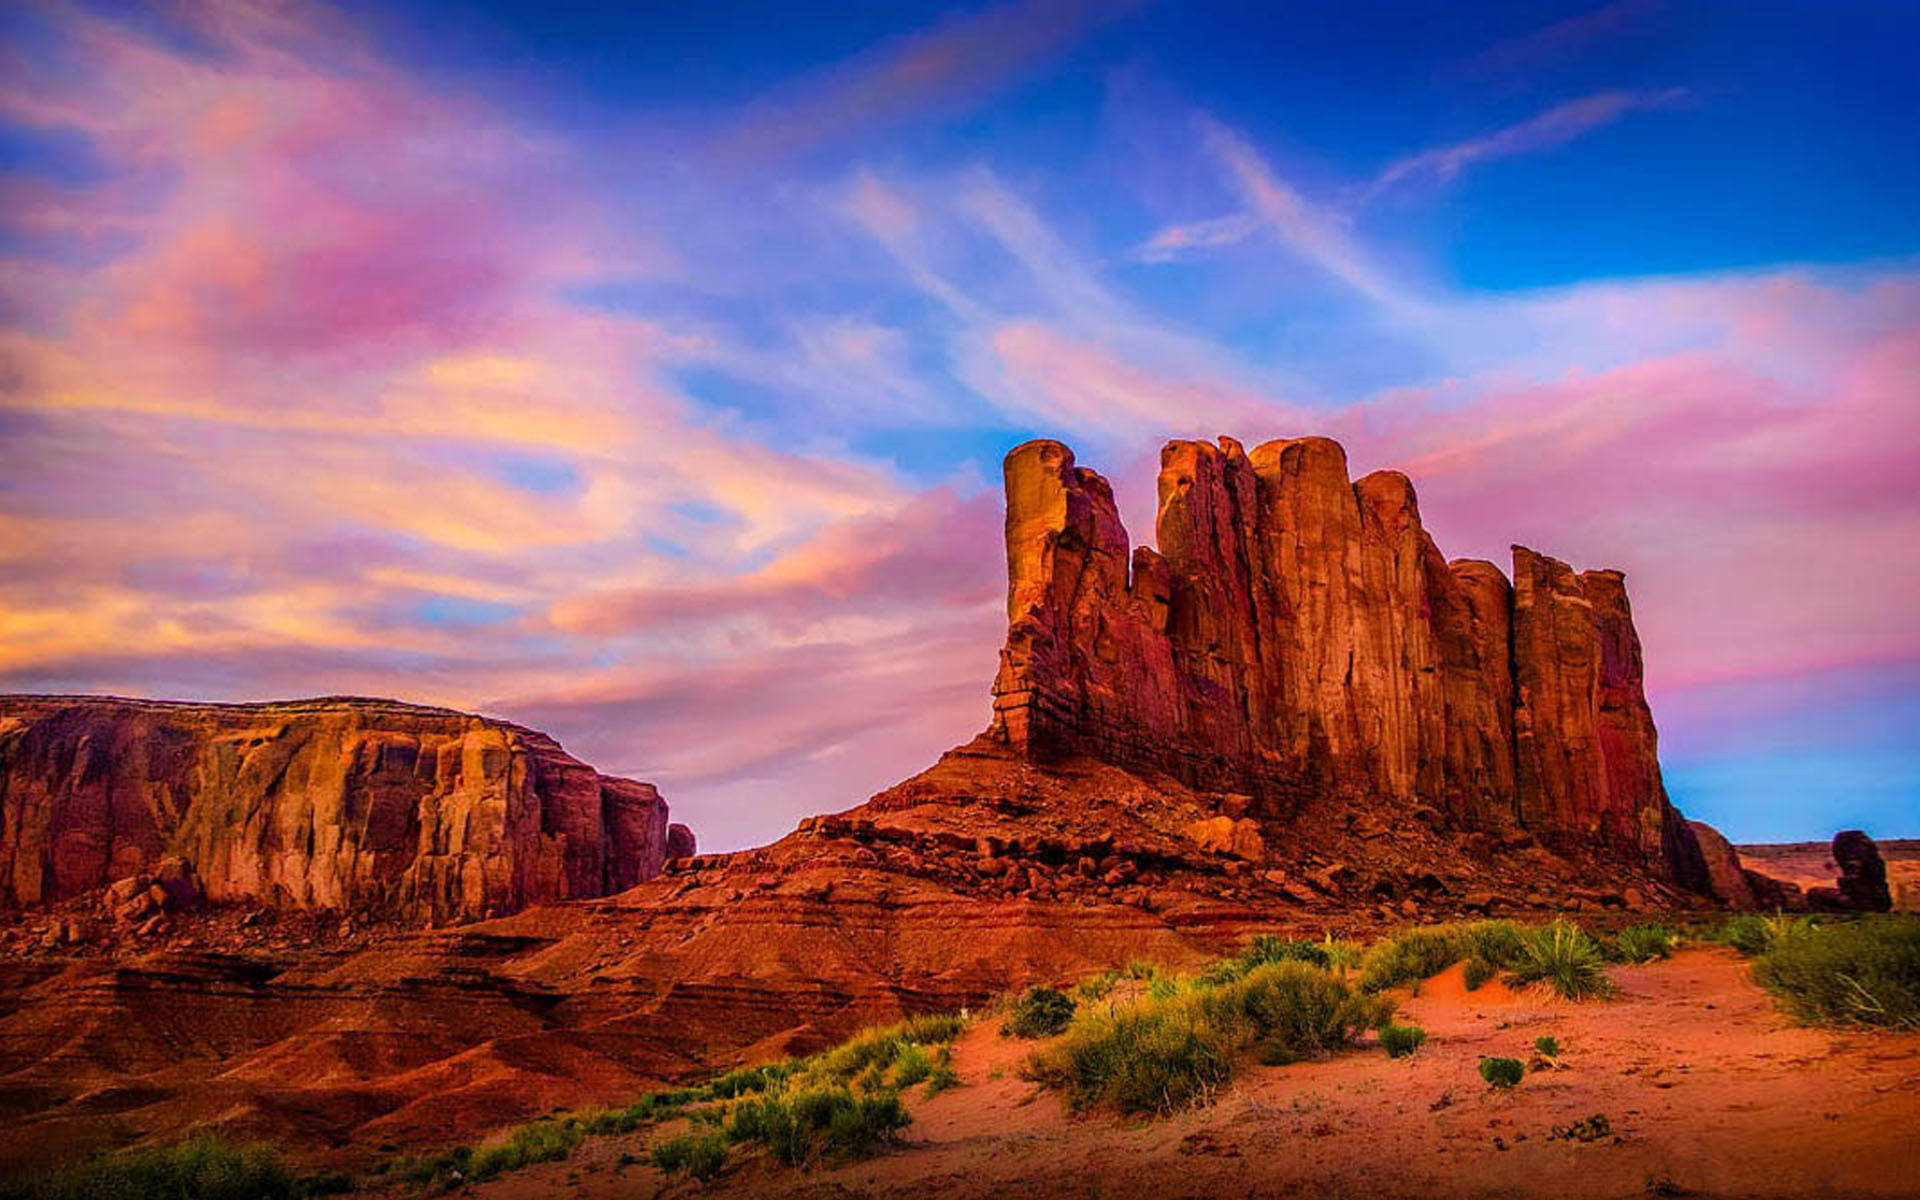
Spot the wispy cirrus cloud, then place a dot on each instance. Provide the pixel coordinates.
(1555, 127)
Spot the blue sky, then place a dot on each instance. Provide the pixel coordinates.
(642, 371)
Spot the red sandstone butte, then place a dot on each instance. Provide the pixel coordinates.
(1298, 635)
(350, 805)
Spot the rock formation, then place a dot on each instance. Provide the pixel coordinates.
(356, 806)
(1729, 882)
(680, 842)
(1298, 636)
(1862, 885)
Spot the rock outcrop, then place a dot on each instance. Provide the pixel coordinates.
(680, 841)
(348, 805)
(1862, 885)
(1298, 635)
(1729, 882)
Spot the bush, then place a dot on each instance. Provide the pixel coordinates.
(1418, 954)
(1563, 956)
(541, 1141)
(1098, 987)
(1864, 972)
(912, 1065)
(816, 1122)
(1752, 934)
(702, 1155)
(942, 1076)
(1042, 1012)
(202, 1168)
(1270, 949)
(1161, 1053)
(1644, 943)
(1547, 1047)
(1401, 1040)
(1477, 972)
(1408, 958)
(1502, 1072)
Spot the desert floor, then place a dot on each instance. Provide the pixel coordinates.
(1708, 1090)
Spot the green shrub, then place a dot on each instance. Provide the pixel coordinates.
(1644, 943)
(815, 1122)
(1864, 972)
(1477, 972)
(1752, 934)
(1098, 987)
(538, 1142)
(1502, 1072)
(201, 1168)
(1565, 957)
(1041, 1012)
(870, 1121)
(1408, 957)
(942, 1076)
(1144, 1057)
(1270, 949)
(1161, 1053)
(1417, 954)
(912, 1065)
(702, 1155)
(1547, 1047)
(1401, 1040)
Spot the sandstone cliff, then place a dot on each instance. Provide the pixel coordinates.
(349, 805)
(1298, 635)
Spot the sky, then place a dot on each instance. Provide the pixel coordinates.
(641, 372)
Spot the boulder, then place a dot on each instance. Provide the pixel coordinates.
(1863, 873)
(1724, 872)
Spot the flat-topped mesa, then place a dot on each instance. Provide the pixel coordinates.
(1298, 634)
(347, 805)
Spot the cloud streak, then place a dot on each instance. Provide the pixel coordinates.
(1555, 127)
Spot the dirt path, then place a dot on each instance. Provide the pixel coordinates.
(1706, 1089)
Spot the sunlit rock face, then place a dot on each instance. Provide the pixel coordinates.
(349, 805)
(1298, 635)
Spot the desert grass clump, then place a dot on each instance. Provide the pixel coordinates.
(1546, 1047)
(1644, 943)
(1501, 1073)
(202, 1168)
(818, 1122)
(1159, 1053)
(1752, 934)
(1566, 958)
(1401, 1040)
(1416, 954)
(524, 1145)
(1040, 1012)
(702, 1154)
(1864, 972)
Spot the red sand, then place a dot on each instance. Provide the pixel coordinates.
(1709, 1092)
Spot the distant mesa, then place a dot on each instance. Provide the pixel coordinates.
(341, 804)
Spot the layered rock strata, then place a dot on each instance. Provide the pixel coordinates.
(349, 805)
(1298, 635)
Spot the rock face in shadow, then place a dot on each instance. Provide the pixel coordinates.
(348, 805)
(1729, 882)
(1298, 635)
(1862, 886)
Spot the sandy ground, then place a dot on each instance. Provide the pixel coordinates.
(1708, 1092)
